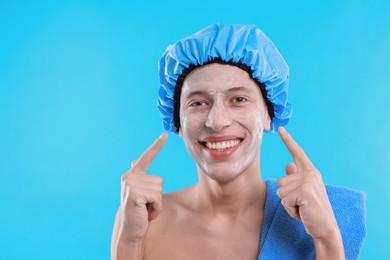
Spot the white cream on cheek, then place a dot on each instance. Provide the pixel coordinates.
(192, 144)
(255, 138)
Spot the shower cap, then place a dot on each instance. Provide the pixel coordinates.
(245, 46)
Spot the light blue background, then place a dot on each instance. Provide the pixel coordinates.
(78, 83)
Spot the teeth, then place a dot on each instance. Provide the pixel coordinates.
(222, 145)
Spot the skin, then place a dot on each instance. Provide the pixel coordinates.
(221, 216)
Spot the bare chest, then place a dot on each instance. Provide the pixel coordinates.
(199, 239)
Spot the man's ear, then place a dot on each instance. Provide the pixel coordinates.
(180, 133)
(267, 121)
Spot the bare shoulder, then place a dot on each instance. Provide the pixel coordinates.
(176, 205)
(164, 231)
(180, 199)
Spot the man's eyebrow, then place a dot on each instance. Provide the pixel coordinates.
(197, 93)
(237, 89)
(230, 90)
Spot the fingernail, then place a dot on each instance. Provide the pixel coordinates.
(162, 136)
(133, 162)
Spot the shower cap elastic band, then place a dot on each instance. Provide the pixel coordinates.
(245, 46)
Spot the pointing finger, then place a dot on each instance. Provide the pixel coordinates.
(143, 162)
(295, 150)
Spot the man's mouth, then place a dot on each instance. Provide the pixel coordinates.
(220, 146)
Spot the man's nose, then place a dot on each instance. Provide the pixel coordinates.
(218, 117)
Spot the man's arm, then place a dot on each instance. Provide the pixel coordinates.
(331, 248)
(122, 248)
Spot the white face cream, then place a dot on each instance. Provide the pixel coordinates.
(222, 117)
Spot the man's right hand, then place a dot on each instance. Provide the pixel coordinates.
(141, 195)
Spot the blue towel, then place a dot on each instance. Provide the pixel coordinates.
(283, 237)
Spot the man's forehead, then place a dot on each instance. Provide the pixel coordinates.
(214, 70)
(218, 78)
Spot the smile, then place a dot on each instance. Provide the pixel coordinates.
(220, 146)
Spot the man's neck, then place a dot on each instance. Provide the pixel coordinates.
(239, 196)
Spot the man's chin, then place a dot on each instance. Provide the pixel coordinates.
(221, 176)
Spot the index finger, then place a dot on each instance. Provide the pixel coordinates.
(300, 158)
(147, 157)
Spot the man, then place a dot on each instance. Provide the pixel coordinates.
(221, 88)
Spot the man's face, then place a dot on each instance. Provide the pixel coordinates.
(222, 117)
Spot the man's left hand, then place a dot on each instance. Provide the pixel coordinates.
(303, 193)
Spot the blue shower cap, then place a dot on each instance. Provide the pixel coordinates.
(241, 45)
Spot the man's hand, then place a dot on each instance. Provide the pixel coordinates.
(141, 195)
(304, 196)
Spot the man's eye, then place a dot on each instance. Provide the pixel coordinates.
(239, 99)
(198, 103)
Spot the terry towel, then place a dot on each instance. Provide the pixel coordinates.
(283, 237)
